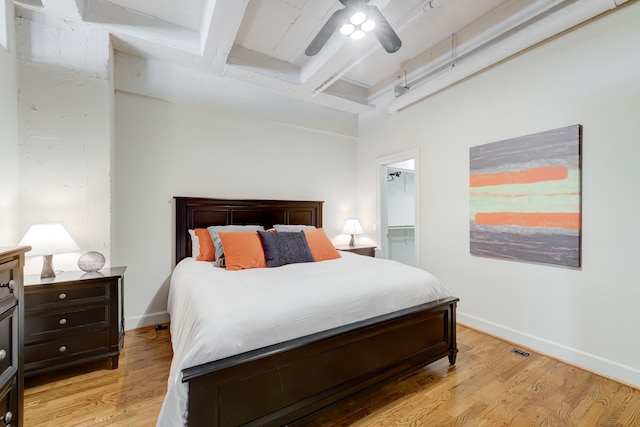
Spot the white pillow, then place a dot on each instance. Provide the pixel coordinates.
(293, 227)
(195, 243)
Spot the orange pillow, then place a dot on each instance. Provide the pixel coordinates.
(321, 247)
(207, 251)
(242, 249)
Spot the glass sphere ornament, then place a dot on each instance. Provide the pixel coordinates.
(91, 261)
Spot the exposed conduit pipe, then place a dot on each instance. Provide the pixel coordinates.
(537, 29)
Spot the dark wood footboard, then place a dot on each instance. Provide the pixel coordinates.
(289, 382)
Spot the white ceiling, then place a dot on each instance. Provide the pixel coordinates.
(262, 42)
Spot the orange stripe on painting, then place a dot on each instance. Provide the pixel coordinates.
(548, 173)
(545, 220)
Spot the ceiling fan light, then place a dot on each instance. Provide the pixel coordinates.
(358, 18)
(368, 25)
(357, 35)
(347, 29)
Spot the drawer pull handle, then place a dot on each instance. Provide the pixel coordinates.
(10, 284)
(3, 354)
(62, 321)
(7, 417)
(62, 296)
(62, 348)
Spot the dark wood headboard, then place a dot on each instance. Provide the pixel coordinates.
(198, 212)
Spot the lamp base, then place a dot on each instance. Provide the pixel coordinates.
(47, 267)
(352, 242)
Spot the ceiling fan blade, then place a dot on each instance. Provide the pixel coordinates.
(383, 31)
(325, 33)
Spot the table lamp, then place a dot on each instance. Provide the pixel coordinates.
(47, 240)
(353, 227)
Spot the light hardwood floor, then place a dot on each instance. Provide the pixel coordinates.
(95, 395)
(489, 386)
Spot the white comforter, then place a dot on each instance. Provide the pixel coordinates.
(217, 313)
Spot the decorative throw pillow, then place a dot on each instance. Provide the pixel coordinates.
(242, 250)
(320, 245)
(206, 251)
(215, 229)
(285, 248)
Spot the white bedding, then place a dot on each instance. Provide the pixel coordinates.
(217, 313)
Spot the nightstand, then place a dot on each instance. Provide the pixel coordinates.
(366, 250)
(73, 318)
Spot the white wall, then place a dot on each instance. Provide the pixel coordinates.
(166, 149)
(8, 130)
(591, 76)
(64, 113)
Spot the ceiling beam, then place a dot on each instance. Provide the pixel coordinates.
(252, 61)
(65, 9)
(221, 22)
(137, 28)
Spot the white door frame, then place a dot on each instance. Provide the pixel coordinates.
(382, 163)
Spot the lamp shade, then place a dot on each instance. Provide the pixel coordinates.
(352, 226)
(48, 239)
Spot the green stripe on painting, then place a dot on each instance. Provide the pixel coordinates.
(531, 204)
(567, 186)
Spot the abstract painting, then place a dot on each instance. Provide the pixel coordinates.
(525, 198)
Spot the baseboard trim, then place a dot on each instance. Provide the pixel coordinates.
(619, 372)
(135, 322)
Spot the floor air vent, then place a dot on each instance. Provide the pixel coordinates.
(520, 352)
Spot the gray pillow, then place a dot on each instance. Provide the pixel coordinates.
(290, 228)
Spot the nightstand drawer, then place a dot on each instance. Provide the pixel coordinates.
(7, 365)
(48, 298)
(9, 405)
(45, 325)
(365, 251)
(7, 278)
(71, 348)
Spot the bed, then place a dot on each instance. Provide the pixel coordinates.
(293, 379)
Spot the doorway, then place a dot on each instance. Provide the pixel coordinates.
(399, 207)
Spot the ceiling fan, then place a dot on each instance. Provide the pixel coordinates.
(355, 20)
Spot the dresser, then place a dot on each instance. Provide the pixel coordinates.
(11, 304)
(73, 318)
